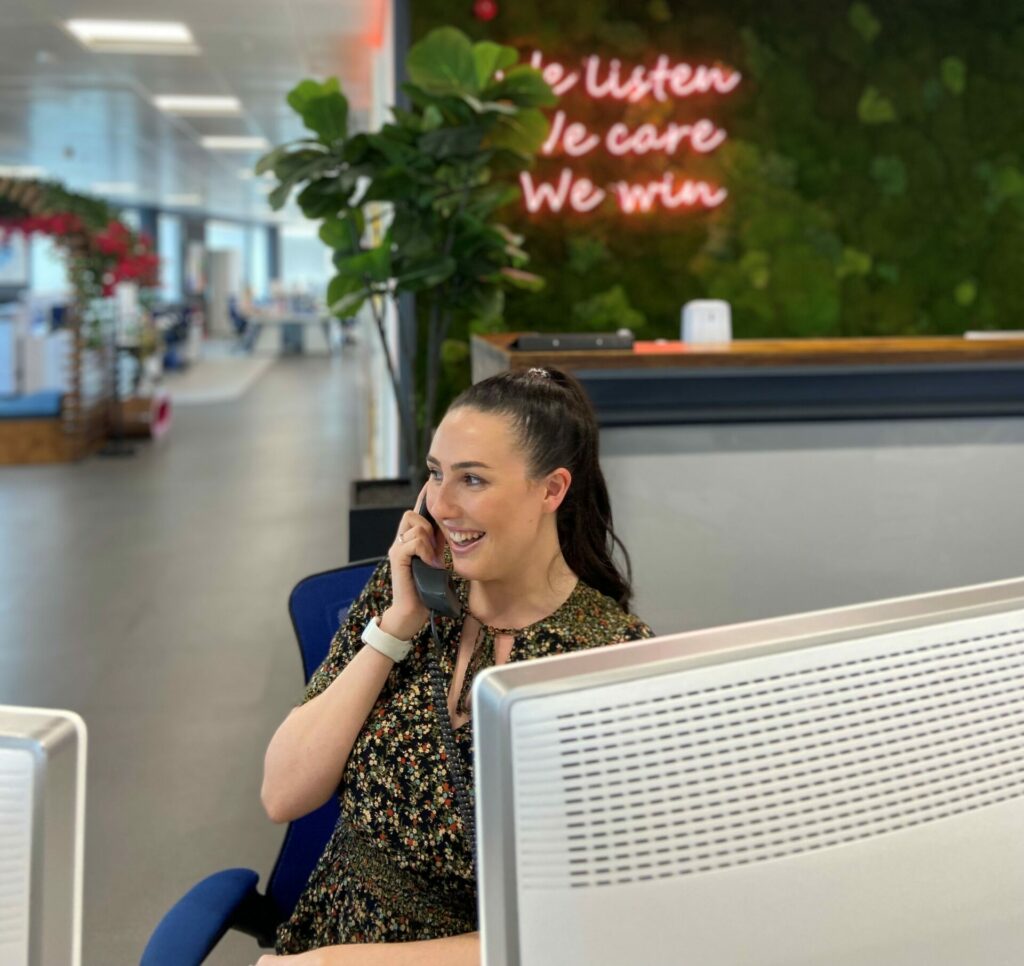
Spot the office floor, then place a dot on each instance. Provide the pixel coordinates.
(149, 595)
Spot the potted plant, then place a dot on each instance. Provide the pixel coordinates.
(413, 208)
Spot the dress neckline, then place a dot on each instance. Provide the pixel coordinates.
(462, 592)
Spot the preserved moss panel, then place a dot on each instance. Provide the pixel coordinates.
(874, 164)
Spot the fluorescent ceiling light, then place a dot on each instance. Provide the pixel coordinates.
(114, 187)
(21, 171)
(134, 36)
(198, 105)
(220, 142)
(300, 231)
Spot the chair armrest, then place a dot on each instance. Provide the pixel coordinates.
(194, 925)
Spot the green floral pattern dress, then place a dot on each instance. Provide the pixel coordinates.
(398, 867)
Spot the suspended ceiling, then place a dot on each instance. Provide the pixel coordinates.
(88, 118)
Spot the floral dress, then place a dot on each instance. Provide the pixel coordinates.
(398, 867)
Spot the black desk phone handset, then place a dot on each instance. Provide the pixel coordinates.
(434, 586)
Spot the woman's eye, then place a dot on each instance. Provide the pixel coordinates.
(472, 480)
(434, 474)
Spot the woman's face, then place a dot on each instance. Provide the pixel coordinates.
(480, 494)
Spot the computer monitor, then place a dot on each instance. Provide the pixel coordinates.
(42, 824)
(844, 787)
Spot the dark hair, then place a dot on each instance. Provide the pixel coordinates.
(556, 427)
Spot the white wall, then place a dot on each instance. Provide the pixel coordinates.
(383, 458)
(734, 523)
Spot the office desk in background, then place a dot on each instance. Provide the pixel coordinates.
(292, 326)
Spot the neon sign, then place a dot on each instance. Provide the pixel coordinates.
(582, 195)
(664, 80)
(601, 80)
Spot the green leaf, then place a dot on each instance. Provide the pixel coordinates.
(308, 90)
(488, 306)
(523, 134)
(891, 174)
(517, 278)
(294, 169)
(370, 266)
(327, 116)
(449, 142)
(490, 58)
(854, 263)
(432, 118)
(454, 352)
(864, 21)
(426, 274)
(607, 311)
(965, 293)
(325, 197)
(875, 108)
(344, 233)
(954, 74)
(269, 160)
(586, 253)
(348, 305)
(888, 272)
(489, 107)
(524, 86)
(443, 63)
(343, 286)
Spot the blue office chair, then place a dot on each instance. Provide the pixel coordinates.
(230, 900)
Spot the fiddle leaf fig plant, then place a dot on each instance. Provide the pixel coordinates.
(414, 206)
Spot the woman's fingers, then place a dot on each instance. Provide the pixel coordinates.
(415, 538)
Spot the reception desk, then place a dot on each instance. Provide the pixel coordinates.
(768, 478)
(784, 379)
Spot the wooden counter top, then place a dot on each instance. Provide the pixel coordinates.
(493, 353)
(760, 380)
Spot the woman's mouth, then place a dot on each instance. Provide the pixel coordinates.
(463, 541)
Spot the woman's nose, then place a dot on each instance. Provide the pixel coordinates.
(443, 507)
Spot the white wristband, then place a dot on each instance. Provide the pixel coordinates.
(387, 644)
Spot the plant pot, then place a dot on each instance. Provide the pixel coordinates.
(375, 510)
(146, 416)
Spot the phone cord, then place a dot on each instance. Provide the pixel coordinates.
(463, 801)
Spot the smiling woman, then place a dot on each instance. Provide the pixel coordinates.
(524, 525)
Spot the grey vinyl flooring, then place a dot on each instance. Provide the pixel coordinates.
(149, 595)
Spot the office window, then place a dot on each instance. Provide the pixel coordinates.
(169, 246)
(305, 263)
(49, 268)
(131, 217)
(259, 262)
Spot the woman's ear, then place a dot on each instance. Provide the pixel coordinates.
(556, 486)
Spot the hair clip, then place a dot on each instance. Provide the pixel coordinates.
(540, 373)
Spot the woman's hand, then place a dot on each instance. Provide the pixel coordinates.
(415, 538)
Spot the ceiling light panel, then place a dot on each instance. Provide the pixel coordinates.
(21, 171)
(233, 143)
(198, 106)
(184, 201)
(134, 36)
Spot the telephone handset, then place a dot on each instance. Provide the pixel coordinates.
(434, 584)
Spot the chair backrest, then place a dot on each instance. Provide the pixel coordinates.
(317, 605)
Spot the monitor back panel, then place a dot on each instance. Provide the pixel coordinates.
(857, 801)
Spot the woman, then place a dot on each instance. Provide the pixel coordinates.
(524, 523)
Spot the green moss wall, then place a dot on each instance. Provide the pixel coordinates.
(874, 164)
